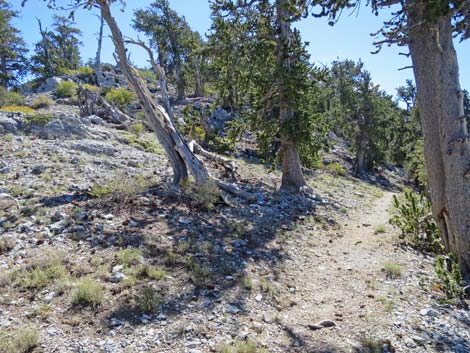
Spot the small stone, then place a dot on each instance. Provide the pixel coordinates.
(259, 297)
(429, 312)
(232, 309)
(193, 343)
(108, 217)
(410, 343)
(321, 325)
(267, 317)
(183, 220)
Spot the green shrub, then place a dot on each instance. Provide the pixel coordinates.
(411, 213)
(39, 276)
(336, 169)
(18, 109)
(121, 189)
(129, 257)
(20, 341)
(121, 97)
(379, 229)
(42, 102)
(240, 347)
(147, 142)
(89, 87)
(66, 89)
(85, 71)
(6, 244)
(88, 292)
(148, 299)
(392, 270)
(203, 196)
(148, 74)
(137, 129)
(449, 277)
(10, 98)
(38, 119)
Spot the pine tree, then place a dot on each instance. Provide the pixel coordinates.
(58, 50)
(13, 51)
(428, 29)
(262, 62)
(174, 40)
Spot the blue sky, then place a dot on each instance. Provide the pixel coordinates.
(349, 38)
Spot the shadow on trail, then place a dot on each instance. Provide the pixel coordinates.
(206, 253)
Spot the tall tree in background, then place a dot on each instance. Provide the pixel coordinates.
(13, 51)
(428, 28)
(262, 63)
(173, 38)
(97, 64)
(362, 113)
(58, 50)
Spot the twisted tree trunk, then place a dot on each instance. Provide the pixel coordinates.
(181, 158)
(447, 142)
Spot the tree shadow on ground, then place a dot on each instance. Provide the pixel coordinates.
(207, 253)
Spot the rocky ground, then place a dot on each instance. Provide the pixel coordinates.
(102, 255)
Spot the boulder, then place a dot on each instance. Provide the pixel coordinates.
(10, 123)
(49, 85)
(65, 125)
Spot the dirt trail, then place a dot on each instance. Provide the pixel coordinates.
(338, 278)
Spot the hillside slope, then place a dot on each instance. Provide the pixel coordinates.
(104, 256)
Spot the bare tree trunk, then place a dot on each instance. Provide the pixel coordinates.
(292, 176)
(4, 75)
(161, 75)
(447, 142)
(100, 42)
(47, 62)
(177, 150)
(180, 94)
(199, 89)
(361, 149)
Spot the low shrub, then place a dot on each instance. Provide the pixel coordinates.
(39, 278)
(66, 89)
(240, 347)
(88, 292)
(146, 142)
(18, 109)
(121, 97)
(148, 299)
(8, 98)
(19, 341)
(129, 257)
(336, 169)
(449, 277)
(42, 102)
(38, 119)
(85, 71)
(203, 196)
(137, 129)
(411, 213)
(392, 270)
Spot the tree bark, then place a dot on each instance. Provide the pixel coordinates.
(292, 176)
(447, 145)
(199, 89)
(361, 149)
(161, 76)
(100, 41)
(181, 158)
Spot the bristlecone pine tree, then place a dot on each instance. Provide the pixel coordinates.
(58, 50)
(262, 63)
(13, 61)
(175, 43)
(428, 28)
